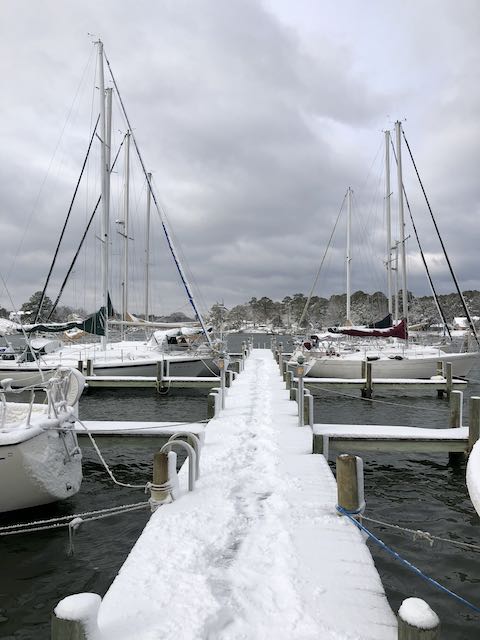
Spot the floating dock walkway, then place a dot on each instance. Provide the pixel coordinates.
(257, 550)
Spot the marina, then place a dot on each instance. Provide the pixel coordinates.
(239, 322)
(110, 432)
(260, 489)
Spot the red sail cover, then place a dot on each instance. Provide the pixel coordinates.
(400, 331)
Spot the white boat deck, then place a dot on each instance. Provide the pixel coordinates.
(257, 550)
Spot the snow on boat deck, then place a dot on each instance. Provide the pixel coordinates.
(257, 550)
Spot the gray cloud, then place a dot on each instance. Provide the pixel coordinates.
(254, 118)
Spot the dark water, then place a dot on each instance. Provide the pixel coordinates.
(418, 492)
(409, 490)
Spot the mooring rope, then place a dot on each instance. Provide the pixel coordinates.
(64, 521)
(103, 461)
(407, 563)
(418, 534)
(393, 404)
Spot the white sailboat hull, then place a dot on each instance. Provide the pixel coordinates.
(37, 470)
(385, 367)
(109, 364)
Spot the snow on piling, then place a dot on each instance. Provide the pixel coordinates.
(417, 621)
(75, 617)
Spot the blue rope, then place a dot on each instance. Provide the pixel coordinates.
(408, 564)
(356, 512)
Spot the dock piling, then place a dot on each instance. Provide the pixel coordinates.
(192, 459)
(300, 371)
(159, 375)
(456, 406)
(80, 366)
(211, 402)
(449, 378)
(439, 372)
(235, 366)
(288, 380)
(214, 402)
(221, 366)
(474, 422)
(350, 484)
(160, 477)
(75, 617)
(307, 407)
(367, 374)
(455, 420)
(417, 621)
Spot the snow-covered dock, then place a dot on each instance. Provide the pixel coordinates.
(436, 383)
(257, 550)
(136, 428)
(165, 382)
(348, 437)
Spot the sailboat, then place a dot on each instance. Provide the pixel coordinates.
(177, 350)
(391, 354)
(40, 460)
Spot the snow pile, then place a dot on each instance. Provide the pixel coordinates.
(257, 550)
(81, 607)
(417, 613)
(473, 476)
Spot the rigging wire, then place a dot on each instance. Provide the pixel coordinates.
(160, 212)
(435, 296)
(55, 255)
(307, 303)
(464, 304)
(81, 244)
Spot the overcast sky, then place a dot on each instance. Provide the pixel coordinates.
(254, 117)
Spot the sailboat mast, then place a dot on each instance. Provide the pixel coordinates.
(396, 312)
(126, 212)
(147, 247)
(401, 221)
(105, 122)
(170, 243)
(388, 216)
(348, 256)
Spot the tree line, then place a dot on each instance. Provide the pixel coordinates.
(324, 312)
(286, 313)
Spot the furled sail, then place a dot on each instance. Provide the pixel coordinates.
(399, 331)
(382, 324)
(93, 324)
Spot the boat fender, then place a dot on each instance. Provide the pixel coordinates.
(396, 357)
(372, 358)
